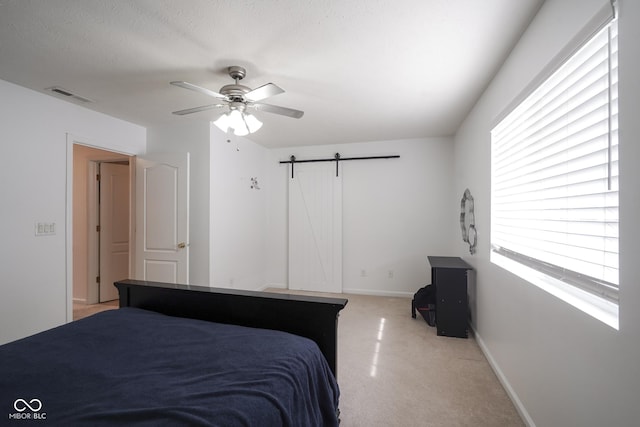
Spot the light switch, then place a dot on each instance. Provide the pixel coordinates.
(45, 228)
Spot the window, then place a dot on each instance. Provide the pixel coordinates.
(554, 207)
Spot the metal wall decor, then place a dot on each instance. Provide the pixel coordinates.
(468, 221)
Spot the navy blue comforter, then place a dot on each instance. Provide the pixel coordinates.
(131, 366)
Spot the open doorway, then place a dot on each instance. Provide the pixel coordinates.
(100, 259)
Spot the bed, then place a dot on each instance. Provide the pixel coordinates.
(181, 355)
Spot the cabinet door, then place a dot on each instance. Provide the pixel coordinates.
(451, 302)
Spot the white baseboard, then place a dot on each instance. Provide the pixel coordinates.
(505, 383)
(378, 293)
(80, 300)
(354, 291)
(271, 285)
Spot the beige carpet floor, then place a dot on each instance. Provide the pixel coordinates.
(395, 371)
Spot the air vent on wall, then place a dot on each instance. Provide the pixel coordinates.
(66, 94)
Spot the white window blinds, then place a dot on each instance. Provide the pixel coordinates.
(555, 172)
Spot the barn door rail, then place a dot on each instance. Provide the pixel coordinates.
(336, 158)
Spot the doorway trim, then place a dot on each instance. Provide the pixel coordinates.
(93, 252)
(73, 140)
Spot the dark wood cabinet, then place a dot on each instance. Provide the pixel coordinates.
(449, 276)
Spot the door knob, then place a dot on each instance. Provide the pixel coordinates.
(182, 245)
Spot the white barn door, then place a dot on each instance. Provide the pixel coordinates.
(315, 227)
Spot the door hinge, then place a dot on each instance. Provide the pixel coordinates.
(98, 228)
(97, 177)
(97, 279)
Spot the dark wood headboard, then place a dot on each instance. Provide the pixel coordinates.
(312, 317)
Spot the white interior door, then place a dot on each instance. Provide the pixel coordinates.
(162, 218)
(114, 228)
(315, 228)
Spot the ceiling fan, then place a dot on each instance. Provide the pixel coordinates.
(239, 98)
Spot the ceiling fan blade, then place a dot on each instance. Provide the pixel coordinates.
(262, 92)
(199, 89)
(197, 109)
(275, 109)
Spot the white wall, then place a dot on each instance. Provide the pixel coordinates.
(395, 212)
(562, 367)
(239, 229)
(227, 218)
(191, 137)
(33, 183)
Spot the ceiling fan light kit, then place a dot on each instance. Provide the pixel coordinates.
(237, 119)
(238, 98)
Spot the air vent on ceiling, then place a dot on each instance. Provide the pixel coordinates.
(66, 94)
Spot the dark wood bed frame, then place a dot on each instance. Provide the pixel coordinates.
(312, 317)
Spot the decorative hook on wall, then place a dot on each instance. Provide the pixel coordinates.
(254, 183)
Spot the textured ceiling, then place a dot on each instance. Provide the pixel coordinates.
(362, 70)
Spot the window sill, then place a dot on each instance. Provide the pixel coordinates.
(598, 308)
